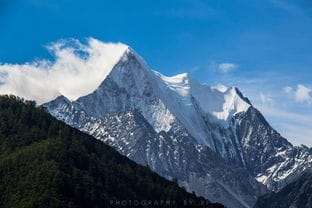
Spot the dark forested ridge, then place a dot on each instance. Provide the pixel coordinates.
(295, 195)
(45, 163)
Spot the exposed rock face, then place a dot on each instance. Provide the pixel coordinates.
(269, 157)
(297, 194)
(213, 141)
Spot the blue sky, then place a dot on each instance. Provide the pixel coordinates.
(262, 46)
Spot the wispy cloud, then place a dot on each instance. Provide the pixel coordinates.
(227, 67)
(77, 70)
(301, 94)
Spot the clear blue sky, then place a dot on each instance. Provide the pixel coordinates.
(262, 46)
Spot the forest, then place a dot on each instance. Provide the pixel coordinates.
(46, 163)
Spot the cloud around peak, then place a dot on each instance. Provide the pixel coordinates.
(78, 69)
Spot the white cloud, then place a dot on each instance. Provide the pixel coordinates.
(303, 94)
(77, 71)
(227, 67)
(300, 94)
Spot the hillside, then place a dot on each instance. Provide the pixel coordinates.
(46, 163)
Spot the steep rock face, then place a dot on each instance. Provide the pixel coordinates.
(297, 194)
(210, 139)
(269, 157)
(173, 154)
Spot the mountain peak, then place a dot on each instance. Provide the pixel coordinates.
(240, 94)
(60, 99)
(182, 124)
(128, 54)
(84, 75)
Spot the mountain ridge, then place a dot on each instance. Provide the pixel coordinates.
(203, 117)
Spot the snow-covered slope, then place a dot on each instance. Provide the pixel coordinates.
(211, 139)
(184, 96)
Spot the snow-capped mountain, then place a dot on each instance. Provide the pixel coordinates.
(211, 139)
